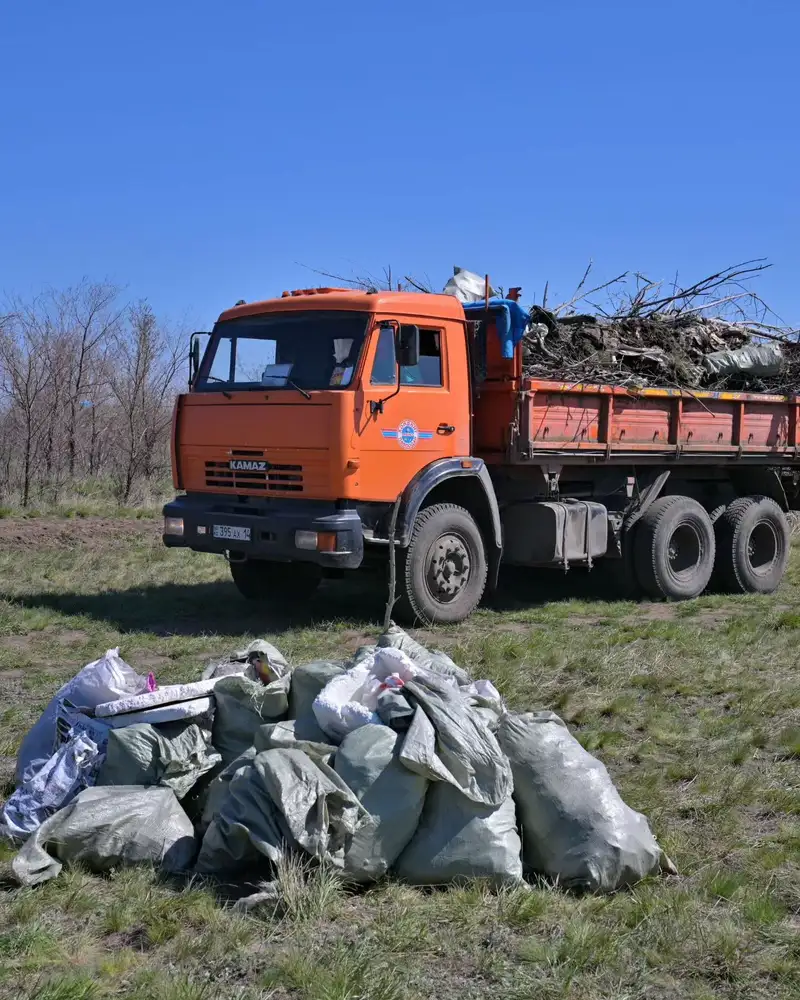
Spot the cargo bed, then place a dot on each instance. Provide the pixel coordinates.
(609, 423)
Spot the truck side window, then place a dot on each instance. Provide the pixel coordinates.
(384, 367)
(429, 369)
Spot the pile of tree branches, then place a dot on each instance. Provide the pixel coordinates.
(643, 334)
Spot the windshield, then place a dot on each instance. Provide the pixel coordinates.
(313, 350)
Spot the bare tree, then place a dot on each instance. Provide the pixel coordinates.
(88, 315)
(142, 374)
(25, 369)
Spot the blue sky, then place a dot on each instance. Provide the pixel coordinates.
(196, 151)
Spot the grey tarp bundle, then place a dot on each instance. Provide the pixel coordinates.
(283, 801)
(242, 706)
(295, 734)
(457, 839)
(394, 710)
(393, 796)
(438, 662)
(175, 755)
(307, 682)
(218, 789)
(106, 827)
(575, 826)
(755, 359)
(448, 742)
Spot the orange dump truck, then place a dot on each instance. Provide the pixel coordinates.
(310, 414)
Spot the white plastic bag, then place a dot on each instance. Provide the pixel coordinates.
(103, 680)
(351, 699)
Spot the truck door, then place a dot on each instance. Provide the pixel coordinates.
(421, 418)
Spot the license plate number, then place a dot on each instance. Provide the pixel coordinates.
(229, 531)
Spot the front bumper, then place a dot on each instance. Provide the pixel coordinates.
(272, 525)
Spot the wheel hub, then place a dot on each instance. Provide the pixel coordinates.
(685, 550)
(448, 567)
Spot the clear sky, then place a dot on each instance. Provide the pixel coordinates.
(197, 151)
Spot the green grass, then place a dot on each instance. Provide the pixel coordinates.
(694, 708)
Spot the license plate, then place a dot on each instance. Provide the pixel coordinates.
(229, 531)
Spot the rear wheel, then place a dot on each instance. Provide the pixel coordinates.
(752, 546)
(442, 573)
(674, 549)
(261, 580)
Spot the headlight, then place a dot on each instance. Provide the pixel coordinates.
(305, 539)
(173, 526)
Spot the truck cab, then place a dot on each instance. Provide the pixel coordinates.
(307, 418)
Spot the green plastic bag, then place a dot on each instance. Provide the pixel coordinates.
(242, 706)
(174, 755)
(393, 796)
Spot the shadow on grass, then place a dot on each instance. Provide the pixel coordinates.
(212, 608)
(217, 608)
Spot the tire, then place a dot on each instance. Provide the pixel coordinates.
(753, 541)
(442, 573)
(674, 549)
(261, 580)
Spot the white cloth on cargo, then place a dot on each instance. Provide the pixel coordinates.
(71, 768)
(103, 828)
(167, 695)
(163, 713)
(467, 286)
(575, 826)
(98, 682)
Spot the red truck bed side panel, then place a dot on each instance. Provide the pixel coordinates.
(613, 421)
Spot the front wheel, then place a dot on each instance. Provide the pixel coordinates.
(443, 571)
(262, 580)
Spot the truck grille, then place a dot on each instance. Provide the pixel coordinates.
(277, 478)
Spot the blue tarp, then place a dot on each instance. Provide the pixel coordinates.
(511, 320)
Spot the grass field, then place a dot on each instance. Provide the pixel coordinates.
(695, 709)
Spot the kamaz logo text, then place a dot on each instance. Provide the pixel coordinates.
(246, 465)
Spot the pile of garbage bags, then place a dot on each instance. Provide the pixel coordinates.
(394, 762)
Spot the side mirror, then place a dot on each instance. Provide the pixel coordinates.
(194, 355)
(407, 346)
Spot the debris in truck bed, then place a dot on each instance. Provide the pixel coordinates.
(643, 337)
(661, 349)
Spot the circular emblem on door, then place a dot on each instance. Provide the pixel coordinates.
(408, 434)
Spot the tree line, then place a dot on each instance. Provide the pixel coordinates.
(87, 383)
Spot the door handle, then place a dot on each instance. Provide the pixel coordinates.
(445, 429)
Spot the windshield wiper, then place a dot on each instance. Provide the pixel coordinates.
(294, 385)
(216, 378)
